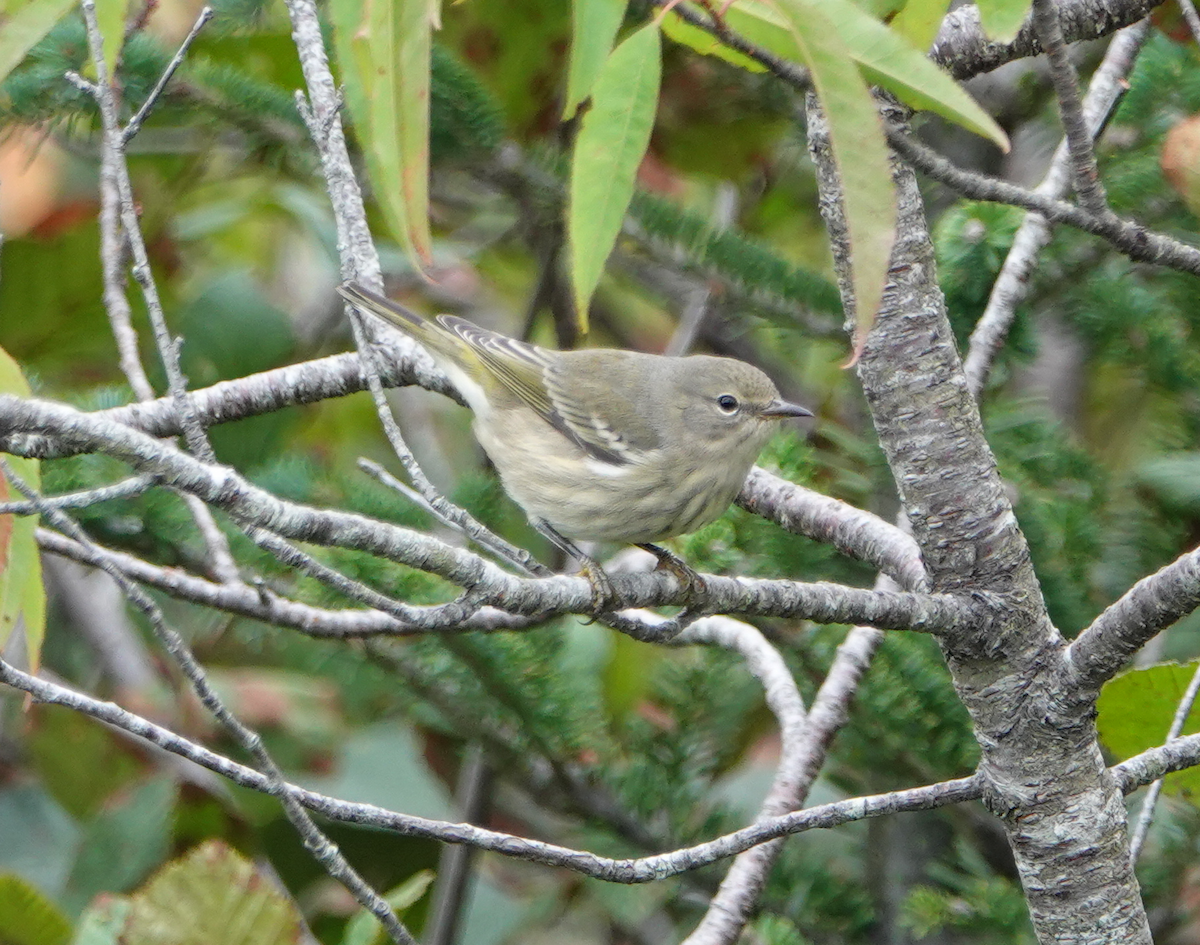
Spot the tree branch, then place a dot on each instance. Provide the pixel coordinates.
(1012, 284)
(1151, 605)
(627, 871)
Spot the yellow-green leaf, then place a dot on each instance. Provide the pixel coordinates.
(890, 61)
(859, 151)
(384, 47)
(1002, 19)
(682, 32)
(886, 57)
(25, 28)
(918, 21)
(1135, 711)
(594, 25)
(211, 895)
(612, 141)
(27, 917)
(110, 15)
(22, 595)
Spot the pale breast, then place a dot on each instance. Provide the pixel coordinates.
(587, 499)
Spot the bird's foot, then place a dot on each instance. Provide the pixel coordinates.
(690, 581)
(604, 595)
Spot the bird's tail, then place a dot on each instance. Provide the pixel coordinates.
(392, 312)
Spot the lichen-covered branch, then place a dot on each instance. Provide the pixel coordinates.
(1151, 605)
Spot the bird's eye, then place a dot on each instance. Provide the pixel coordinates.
(728, 403)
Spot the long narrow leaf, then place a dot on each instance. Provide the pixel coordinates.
(22, 595)
(889, 59)
(384, 47)
(594, 25)
(612, 141)
(859, 150)
(25, 28)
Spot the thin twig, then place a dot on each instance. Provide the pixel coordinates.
(1130, 238)
(121, 229)
(452, 888)
(261, 603)
(623, 870)
(314, 840)
(135, 123)
(1012, 284)
(1146, 814)
(482, 536)
(135, 485)
(1086, 174)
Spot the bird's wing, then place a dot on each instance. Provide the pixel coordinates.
(594, 393)
(529, 373)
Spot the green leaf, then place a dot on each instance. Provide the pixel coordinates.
(212, 896)
(888, 57)
(859, 150)
(365, 929)
(919, 20)
(706, 44)
(612, 141)
(594, 25)
(24, 29)
(385, 47)
(888, 60)
(27, 917)
(1002, 19)
(1135, 714)
(22, 596)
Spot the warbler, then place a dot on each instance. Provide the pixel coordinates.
(602, 444)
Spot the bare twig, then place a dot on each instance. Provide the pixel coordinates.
(743, 883)
(1012, 284)
(315, 841)
(1146, 814)
(642, 870)
(1066, 87)
(135, 123)
(261, 603)
(1130, 238)
(454, 865)
(1151, 605)
(135, 485)
(120, 229)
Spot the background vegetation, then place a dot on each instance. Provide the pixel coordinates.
(1092, 411)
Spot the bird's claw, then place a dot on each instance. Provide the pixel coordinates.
(690, 581)
(604, 596)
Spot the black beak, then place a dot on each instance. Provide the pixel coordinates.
(781, 410)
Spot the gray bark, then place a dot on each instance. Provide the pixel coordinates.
(1043, 774)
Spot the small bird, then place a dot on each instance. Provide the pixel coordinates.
(601, 444)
